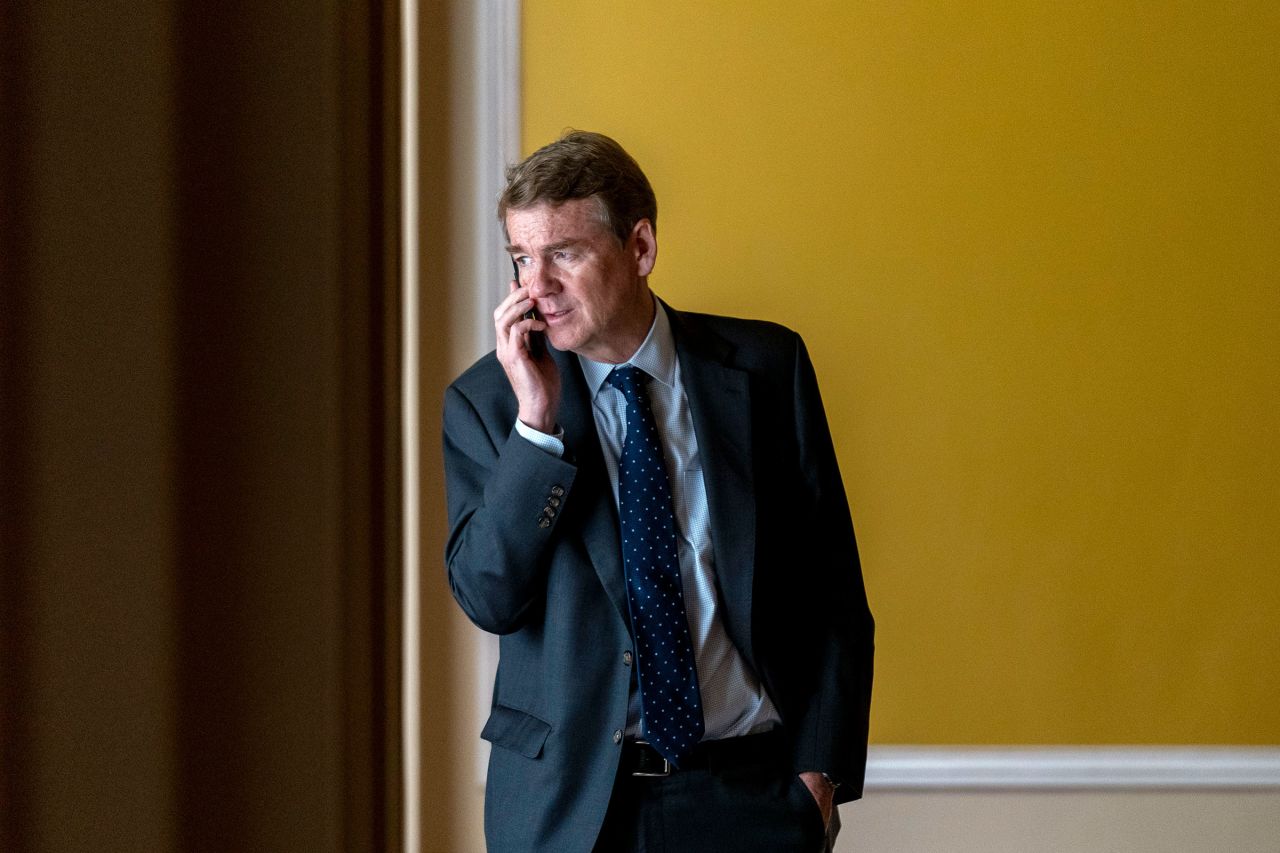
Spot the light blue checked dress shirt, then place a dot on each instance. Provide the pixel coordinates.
(733, 700)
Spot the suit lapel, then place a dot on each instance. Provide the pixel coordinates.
(591, 485)
(720, 403)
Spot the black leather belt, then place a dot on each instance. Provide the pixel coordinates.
(766, 750)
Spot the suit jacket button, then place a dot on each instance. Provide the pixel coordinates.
(544, 522)
(558, 491)
(626, 658)
(617, 736)
(549, 512)
(553, 501)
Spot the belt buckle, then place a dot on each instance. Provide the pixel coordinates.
(666, 765)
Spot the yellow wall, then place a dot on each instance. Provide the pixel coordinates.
(1033, 248)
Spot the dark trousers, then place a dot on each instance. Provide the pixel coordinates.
(757, 808)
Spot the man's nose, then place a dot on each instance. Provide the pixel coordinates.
(541, 280)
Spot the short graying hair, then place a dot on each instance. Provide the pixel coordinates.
(582, 164)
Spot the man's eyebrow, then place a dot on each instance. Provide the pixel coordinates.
(553, 247)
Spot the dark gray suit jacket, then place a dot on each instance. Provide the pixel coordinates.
(534, 555)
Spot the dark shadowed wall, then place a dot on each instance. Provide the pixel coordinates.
(200, 492)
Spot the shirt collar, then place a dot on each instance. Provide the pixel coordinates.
(656, 356)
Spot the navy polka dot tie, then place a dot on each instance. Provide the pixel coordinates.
(670, 703)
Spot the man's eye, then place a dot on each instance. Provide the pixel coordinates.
(523, 260)
(562, 256)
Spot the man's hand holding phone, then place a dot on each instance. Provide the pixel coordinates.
(522, 352)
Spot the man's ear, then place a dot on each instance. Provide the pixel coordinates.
(644, 244)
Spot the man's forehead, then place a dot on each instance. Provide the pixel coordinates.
(575, 220)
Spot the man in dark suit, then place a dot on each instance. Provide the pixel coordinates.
(645, 504)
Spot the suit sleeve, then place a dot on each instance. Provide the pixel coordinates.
(505, 500)
(832, 735)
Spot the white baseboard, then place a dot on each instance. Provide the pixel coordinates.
(1072, 767)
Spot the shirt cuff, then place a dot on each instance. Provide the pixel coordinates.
(553, 444)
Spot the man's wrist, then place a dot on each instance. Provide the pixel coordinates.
(538, 421)
(825, 778)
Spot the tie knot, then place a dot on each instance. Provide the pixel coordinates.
(628, 379)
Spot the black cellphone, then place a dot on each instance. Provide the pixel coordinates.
(537, 340)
